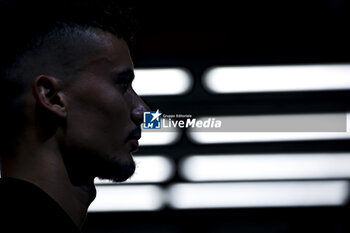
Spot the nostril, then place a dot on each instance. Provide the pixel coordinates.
(137, 112)
(137, 115)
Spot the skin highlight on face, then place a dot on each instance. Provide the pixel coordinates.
(104, 114)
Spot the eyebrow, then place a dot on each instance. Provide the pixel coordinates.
(126, 75)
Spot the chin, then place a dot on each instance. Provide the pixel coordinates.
(116, 169)
(83, 165)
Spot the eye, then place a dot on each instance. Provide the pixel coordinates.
(124, 79)
(125, 86)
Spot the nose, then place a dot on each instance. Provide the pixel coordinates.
(137, 111)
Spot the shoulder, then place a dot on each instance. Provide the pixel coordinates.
(19, 193)
(25, 206)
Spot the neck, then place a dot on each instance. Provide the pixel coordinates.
(43, 166)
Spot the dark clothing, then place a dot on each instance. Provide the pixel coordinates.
(26, 208)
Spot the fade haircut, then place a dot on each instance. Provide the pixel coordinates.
(47, 37)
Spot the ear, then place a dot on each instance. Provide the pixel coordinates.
(48, 94)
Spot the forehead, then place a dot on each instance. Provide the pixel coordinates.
(113, 54)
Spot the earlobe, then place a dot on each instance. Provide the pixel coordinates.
(48, 94)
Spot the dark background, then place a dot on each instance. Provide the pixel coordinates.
(197, 35)
(242, 32)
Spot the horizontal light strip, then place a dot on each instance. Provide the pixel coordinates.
(259, 194)
(277, 78)
(228, 137)
(158, 138)
(265, 167)
(301, 122)
(149, 169)
(127, 198)
(223, 136)
(172, 81)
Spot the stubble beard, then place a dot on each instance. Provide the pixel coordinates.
(115, 170)
(83, 167)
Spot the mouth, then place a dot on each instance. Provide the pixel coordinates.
(133, 139)
(134, 145)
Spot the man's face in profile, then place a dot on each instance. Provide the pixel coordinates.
(104, 113)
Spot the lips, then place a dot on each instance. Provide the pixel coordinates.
(133, 138)
(135, 134)
(134, 145)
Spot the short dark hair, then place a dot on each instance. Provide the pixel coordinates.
(25, 24)
(40, 36)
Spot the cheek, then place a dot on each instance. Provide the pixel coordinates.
(98, 118)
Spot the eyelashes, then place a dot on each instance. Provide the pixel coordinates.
(124, 80)
(125, 86)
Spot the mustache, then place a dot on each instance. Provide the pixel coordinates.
(134, 134)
